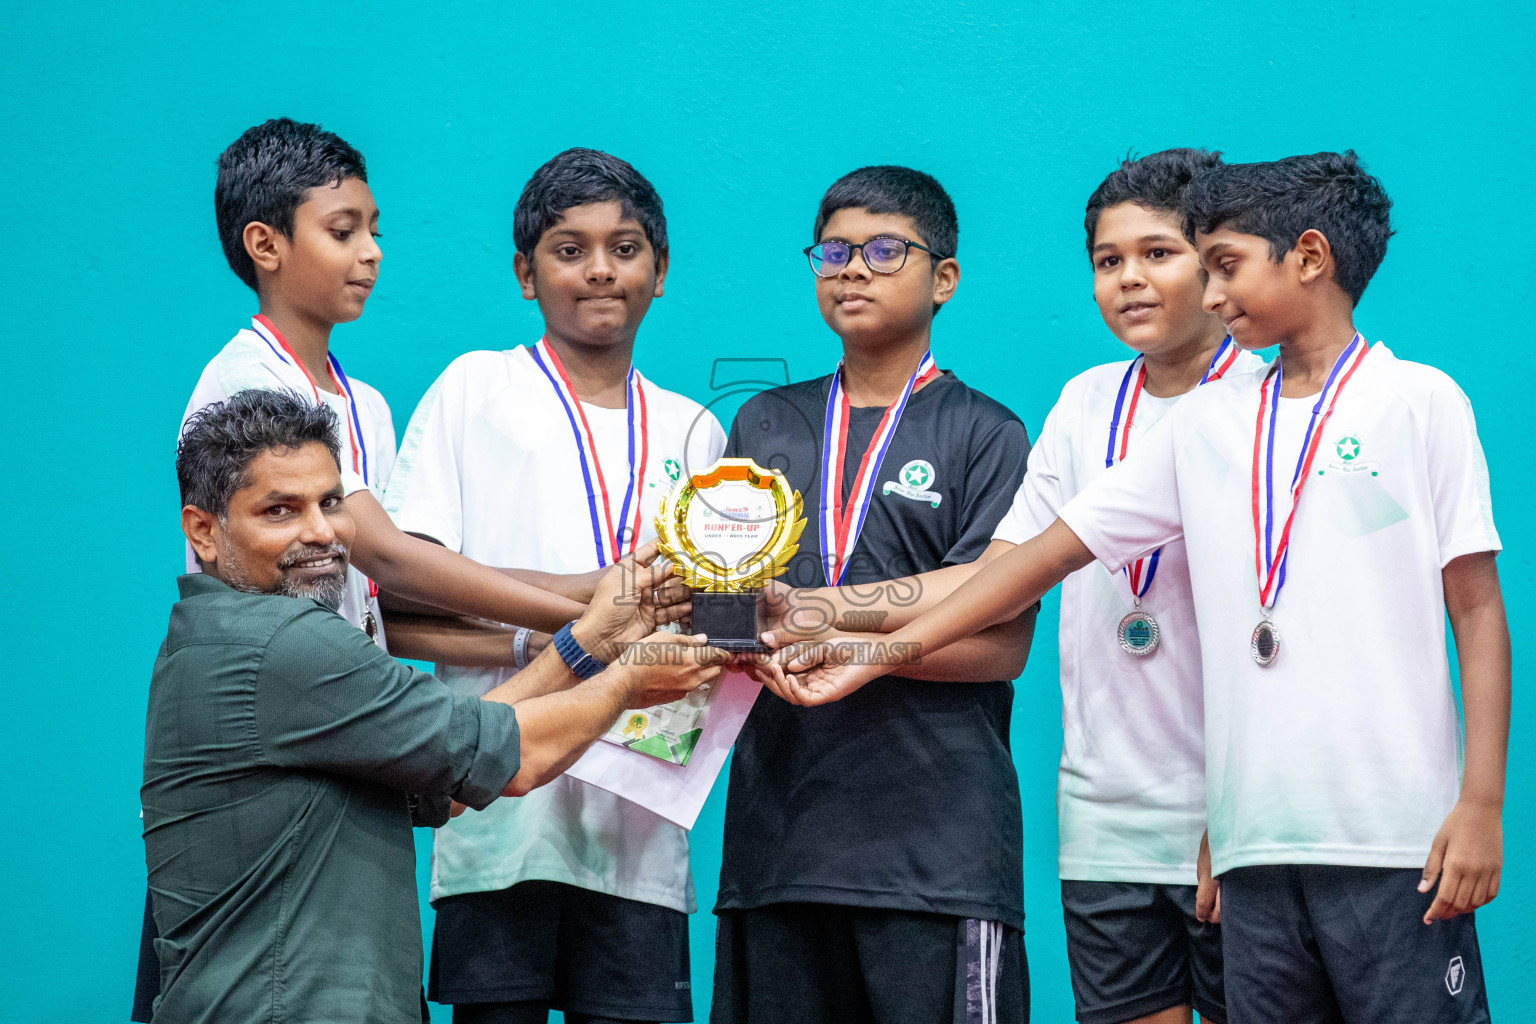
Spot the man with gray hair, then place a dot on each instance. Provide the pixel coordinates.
(286, 755)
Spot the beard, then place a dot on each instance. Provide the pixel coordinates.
(327, 589)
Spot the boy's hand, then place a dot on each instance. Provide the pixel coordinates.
(794, 615)
(1207, 889)
(1467, 857)
(668, 666)
(825, 671)
(769, 668)
(765, 669)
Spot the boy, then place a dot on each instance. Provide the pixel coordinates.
(852, 889)
(1131, 788)
(298, 224)
(1331, 731)
(557, 455)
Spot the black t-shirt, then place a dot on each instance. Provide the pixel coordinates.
(903, 794)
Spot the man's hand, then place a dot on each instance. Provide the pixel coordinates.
(1467, 857)
(635, 597)
(668, 666)
(1207, 889)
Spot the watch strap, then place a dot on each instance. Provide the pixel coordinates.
(577, 658)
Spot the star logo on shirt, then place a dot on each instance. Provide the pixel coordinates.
(913, 482)
(916, 473)
(674, 469)
(1348, 448)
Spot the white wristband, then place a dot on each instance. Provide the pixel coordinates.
(520, 647)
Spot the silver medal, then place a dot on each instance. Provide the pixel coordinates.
(1138, 634)
(1265, 643)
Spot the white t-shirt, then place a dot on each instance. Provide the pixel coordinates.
(1347, 749)
(1130, 792)
(367, 456)
(489, 467)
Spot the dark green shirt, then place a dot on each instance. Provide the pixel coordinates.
(279, 749)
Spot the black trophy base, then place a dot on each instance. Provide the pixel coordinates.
(731, 621)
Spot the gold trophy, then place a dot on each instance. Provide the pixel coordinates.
(728, 531)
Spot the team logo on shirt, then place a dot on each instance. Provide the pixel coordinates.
(915, 477)
(1455, 976)
(1346, 458)
(672, 468)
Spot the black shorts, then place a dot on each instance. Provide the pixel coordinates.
(565, 948)
(1318, 944)
(817, 963)
(1135, 948)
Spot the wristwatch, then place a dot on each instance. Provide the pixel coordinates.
(577, 658)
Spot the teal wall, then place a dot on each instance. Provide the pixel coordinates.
(115, 294)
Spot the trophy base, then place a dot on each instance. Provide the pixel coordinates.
(731, 621)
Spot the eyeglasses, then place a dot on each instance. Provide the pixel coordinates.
(883, 254)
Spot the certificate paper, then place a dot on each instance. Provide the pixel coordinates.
(665, 731)
(673, 790)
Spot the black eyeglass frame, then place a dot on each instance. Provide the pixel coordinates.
(907, 252)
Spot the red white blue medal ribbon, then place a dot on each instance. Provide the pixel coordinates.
(1221, 362)
(1271, 547)
(1141, 572)
(608, 531)
(268, 332)
(840, 524)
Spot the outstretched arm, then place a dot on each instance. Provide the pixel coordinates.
(997, 652)
(820, 613)
(578, 586)
(558, 718)
(1468, 853)
(455, 640)
(869, 611)
(430, 574)
(1001, 590)
(556, 727)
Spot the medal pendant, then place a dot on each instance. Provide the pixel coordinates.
(1265, 643)
(1138, 634)
(370, 625)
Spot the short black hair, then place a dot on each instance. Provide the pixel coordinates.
(1281, 199)
(902, 190)
(577, 177)
(266, 174)
(221, 440)
(1156, 181)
